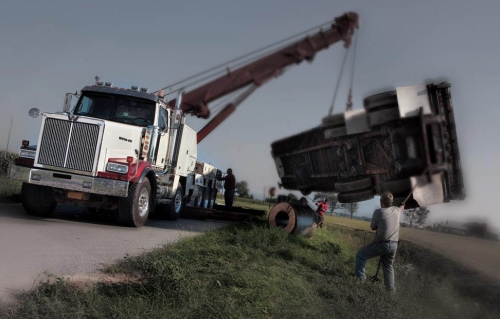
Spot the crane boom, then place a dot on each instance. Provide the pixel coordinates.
(262, 70)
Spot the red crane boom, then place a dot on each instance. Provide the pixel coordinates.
(262, 70)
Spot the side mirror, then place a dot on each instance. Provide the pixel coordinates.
(34, 112)
(67, 102)
(68, 99)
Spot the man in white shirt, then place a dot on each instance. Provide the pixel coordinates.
(385, 222)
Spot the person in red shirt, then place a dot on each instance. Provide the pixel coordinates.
(229, 188)
(322, 208)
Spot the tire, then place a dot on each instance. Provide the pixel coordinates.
(380, 100)
(205, 202)
(355, 196)
(133, 210)
(398, 188)
(176, 207)
(334, 126)
(383, 116)
(37, 200)
(354, 186)
(211, 200)
(198, 201)
(334, 120)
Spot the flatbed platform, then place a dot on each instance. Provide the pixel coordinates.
(219, 212)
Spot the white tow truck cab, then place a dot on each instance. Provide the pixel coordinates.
(116, 149)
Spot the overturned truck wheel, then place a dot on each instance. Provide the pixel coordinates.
(293, 218)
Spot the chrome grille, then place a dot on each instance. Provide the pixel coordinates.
(69, 145)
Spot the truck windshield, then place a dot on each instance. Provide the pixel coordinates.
(117, 108)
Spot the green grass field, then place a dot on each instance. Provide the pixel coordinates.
(339, 220)
(253, 271)
(244, 202)
(9, 190)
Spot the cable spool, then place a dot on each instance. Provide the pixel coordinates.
(294, 218)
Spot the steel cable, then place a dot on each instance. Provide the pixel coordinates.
(224, 65)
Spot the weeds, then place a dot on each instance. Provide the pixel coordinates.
(9, 189)
(253, 271)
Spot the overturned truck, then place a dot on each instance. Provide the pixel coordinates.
(402, 140)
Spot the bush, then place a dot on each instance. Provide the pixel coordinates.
(9, 189)
(6, 159)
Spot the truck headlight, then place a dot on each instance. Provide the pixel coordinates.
(27, 153)
(117, 168)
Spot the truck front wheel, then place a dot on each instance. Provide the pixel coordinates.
(133, 210)
(37, 200)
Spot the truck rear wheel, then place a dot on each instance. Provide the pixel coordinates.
(358, 196)
(176, 207)
(133, 210)
(37, 200)
(382, 108)
(354, 185)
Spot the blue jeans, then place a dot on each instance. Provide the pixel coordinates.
(228, 198)
(387, 251)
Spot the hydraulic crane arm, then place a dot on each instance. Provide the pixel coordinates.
(224, 114)
(263, 69)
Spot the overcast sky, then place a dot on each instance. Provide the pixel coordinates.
(49, 48)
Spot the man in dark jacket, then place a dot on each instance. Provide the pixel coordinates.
(229, 188)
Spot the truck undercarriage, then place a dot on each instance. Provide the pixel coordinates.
(390, 149)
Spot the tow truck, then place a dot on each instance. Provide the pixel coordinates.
(129, 150)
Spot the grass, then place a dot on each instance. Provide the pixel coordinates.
(10, 190)
(253, 271)
(245, 202)
(356, 223)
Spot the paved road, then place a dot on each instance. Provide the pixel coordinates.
(73, 242)
(477, 254)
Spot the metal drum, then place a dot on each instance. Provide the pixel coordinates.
(294, 218)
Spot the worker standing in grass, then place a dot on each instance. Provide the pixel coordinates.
(385, 222)
(322, 208)
(229, 188)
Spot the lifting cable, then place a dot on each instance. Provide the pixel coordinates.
(330, 111)
(349, 97)
(267, 47)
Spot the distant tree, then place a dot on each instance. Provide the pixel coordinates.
(351, 208)
(251, 196)
(292, 196)
(332, 200)
(242, 189)
(416, 215)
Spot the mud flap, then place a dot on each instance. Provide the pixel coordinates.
(428, 193)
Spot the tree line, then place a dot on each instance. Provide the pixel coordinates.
(414, 216)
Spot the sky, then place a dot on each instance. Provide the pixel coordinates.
(49, 48)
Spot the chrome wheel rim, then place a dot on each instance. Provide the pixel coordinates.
(143, 202)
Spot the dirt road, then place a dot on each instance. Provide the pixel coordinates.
(477, 254)
(74, 242)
